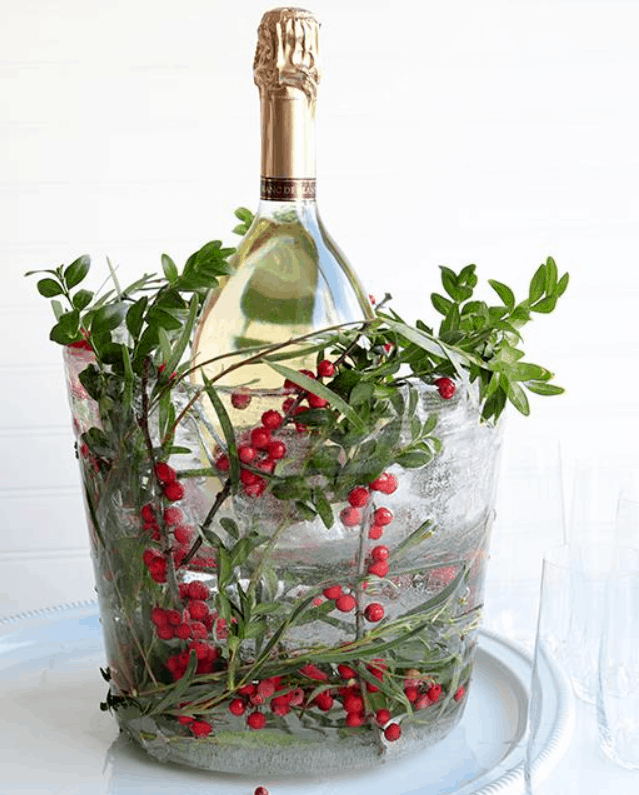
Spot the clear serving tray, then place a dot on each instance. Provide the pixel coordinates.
(56, 741)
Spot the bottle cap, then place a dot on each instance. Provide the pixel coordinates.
(287, 52)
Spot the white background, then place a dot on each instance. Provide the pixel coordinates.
(494, 132)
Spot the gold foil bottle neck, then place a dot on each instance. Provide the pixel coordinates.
(287, 54)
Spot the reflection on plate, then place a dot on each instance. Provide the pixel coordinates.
(61, 744)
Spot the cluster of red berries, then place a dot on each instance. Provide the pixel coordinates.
(445, 387)
(172, 489)
(199, 728)
(260, 450)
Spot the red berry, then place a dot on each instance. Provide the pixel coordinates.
(358, 497)
(248, 478)
(256, 720)
(280, 706)
(379, 552)
(382, 716)
(379, 568)
(164, 473)
(198, 609)
(388, 347)
(172, 515)
(260, 437)
(345, 603)
(272, 419)
(308, 373)
(246, 453)
(173, 617)
(350, 517)
(165, 632)
(354, 719)
(411, 693)
(333, 591)
(324, 701)
(158, 616)
(383, 516)
(241, 398)
(198, 630)
(378, 483)
(371, 298)
(445, 387)
(376, 532)
(255, 489)
(197, 590)
(287, 405)
(158, 574)
(390, 485)
(374, 612)
(260, 791)
(317, 601)
(434, 692)
(148, 513)
(183, 534)
(317, 402)
(256, 699)
(183, 631)
(267, 466)
(185, 719)
(326, 369)
(174, 491)
(346, 672)
(296, 697)
(276, 450)
(392, 732)
(222, 463)
(422, 702)
(246, 690)
(266, 688)
(313, 672)
(353, 703)
(201, 728)
(460, 693)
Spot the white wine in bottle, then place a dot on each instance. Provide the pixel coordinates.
(290, 279)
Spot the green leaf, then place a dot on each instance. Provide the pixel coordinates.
(170, 269)
(561, 285)
(67, 328)
(551, 276)
(292, 488)
(451, 321)
(77, 271)
(244, 215)
(230, 526)
(543, 388)
(537, 284)
(315, 417)
(504, 292)
(441, 304)
(524, 371)
(49, 287)
(419, 338)
(227, 430)
(135, 317)
(323, 507)
(414, 459)
(546, 305)
(315, 388)
(82, 299)
(516, 395)
(108, 317)
(306, 513)
(362, 392)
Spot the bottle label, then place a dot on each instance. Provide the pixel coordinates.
(285, 189)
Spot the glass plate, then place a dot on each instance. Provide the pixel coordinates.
(58, 742)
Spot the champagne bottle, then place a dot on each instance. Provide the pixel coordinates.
(289, 278)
